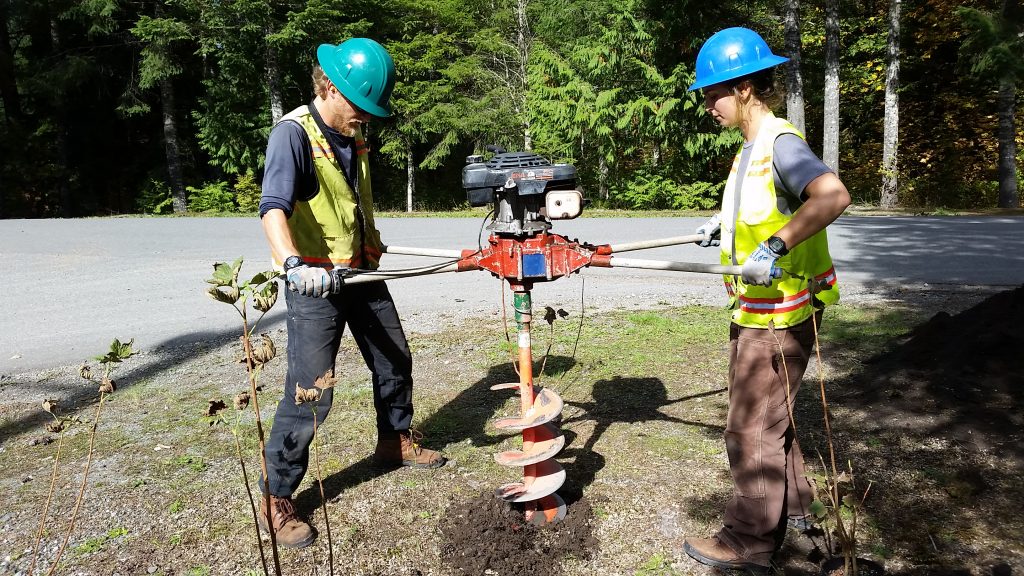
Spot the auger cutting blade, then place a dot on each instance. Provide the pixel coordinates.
(546, 407)
(549, 477)
(548, 441)
(550, 510)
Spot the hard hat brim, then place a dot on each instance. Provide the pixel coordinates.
(764, 63)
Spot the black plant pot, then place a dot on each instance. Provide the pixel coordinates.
(835, 567)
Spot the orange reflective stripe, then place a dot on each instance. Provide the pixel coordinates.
(775, 305)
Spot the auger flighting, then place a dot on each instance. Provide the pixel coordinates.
(527, 192)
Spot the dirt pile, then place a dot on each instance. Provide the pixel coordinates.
(969, 366)
(488, 536)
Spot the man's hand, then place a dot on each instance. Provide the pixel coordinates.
(312, 281)
(759, 268)
(711, 231)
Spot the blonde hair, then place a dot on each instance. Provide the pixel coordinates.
(763, 87)
(320, 81)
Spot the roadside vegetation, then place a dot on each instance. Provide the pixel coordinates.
(645, 405)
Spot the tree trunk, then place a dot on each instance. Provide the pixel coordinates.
(602, 185)
(523, 45)
(172, 148)
(794, 80)
(8, 78)
(830, 134)
(60, 136)
(891, 135)
(273, 73)
(1007, 108)
(410, 179)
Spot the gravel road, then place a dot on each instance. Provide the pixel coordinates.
(77, 284)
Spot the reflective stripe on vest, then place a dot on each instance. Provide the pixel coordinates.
(789, 300)
(326, 228)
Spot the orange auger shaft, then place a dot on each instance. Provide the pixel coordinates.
(542, 475)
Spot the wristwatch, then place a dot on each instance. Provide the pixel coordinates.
(775, 244)
(291, 262)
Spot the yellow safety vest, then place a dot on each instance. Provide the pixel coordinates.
(332, 229)
(809, 275)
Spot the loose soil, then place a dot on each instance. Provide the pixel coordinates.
(931, 418)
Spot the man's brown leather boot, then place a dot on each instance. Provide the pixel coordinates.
(396, 449)
(290, 530)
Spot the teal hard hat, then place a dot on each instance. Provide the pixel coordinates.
(730, 54)
(362, 70)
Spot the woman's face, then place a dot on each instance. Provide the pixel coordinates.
(720, 103)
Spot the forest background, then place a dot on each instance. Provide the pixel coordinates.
(160, 106)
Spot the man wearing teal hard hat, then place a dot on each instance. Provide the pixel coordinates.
(317, 213)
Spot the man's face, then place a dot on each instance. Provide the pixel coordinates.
(346, 116)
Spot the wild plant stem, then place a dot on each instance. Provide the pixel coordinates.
(81, 490)
(248, 492)
(263, 443)
(834, 488)
(323, 499)
(46, 507)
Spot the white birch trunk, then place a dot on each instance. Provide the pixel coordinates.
(830, 133)
(794, 79)
(410, 179)
(890, 137)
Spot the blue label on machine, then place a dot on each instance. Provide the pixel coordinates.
(534, 265)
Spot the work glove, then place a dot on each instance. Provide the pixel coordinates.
(711, 230)
(760, 268)
(312, 281)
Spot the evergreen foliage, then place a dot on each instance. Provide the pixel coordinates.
(85, 89)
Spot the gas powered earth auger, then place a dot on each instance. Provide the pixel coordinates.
(528, 192)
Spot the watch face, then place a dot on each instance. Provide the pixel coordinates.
(777, 245)
(292, 262)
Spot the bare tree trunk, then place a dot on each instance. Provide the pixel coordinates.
(273, 72)
(523, 45)
(1007, 108)
(60, 136)
(830, 134)
(410, 179)
(602, 186)
(794, 79)
(891, 136)
(8, 78)
(171, 147)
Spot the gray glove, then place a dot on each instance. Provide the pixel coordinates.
(711, 230)
(759, 268)
(312, 281)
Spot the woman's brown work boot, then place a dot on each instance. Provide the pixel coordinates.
(290, 530)
(395, 449)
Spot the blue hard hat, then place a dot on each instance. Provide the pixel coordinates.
(730, 54)
(363, 71)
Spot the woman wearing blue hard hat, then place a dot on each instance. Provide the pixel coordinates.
(317, 214)
(778, 199)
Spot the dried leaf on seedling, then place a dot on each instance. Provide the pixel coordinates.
(107, 386)
(85, 372)
(265, 298)
(326, 381)
(51, 406)
(57, 426)
(227, 295)
(549, 315)
(264, 351)
(562, 313)
(225, 274)
(241, 401)
(215, 406)
(849, 501)
(305, 395)
(843, 478)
